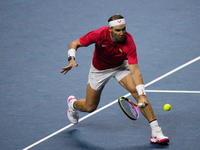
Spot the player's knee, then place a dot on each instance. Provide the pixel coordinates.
(91, 109)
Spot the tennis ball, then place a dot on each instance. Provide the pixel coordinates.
(167, 107)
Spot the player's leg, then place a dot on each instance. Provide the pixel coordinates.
(156, 135)
(86, 105)
(91, 102)
(128, 84)
(96, 82)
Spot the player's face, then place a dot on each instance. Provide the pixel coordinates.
(117, 33)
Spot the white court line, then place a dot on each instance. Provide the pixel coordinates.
(172, 91)
(178, 68)
(115, 101)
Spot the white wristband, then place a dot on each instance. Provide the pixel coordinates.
(72, 52)
(140, 89)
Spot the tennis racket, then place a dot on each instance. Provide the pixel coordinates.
(130, 108)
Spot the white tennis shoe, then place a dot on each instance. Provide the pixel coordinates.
(72, 114)
(158, 137)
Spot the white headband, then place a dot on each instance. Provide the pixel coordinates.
(116, 22)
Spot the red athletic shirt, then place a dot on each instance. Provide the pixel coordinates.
(108, 54)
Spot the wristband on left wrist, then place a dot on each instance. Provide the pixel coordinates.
(71, 52)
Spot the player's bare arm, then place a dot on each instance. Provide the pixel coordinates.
(138, 80)
(73, 45)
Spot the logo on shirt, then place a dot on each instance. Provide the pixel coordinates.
(120, 50)
(104, 45)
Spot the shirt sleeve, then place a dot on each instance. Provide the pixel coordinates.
(132, 53)
(132, 57)
(91, 37)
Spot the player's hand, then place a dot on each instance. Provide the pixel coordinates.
(143, 99)
(72, 63)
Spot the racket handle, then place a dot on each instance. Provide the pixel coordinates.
(141, 105)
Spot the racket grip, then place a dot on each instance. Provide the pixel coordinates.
(141, 105)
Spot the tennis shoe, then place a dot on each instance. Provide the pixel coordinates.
(72, 114)
(158, 137)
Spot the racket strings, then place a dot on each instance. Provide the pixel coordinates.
(129, 109)
(132, 109)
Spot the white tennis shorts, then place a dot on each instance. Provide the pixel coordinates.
(98, 78)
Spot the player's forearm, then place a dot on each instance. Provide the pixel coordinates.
(136, 74)
(137, 77)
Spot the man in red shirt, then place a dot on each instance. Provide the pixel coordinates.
(114, 56)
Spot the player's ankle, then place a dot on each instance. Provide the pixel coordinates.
(154, 125)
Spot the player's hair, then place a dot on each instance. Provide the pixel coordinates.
(115, 17)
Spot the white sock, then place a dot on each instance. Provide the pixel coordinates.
(154, 124)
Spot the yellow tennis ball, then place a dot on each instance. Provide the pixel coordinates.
(167, 107)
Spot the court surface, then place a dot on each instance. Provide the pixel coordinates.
(34, 40)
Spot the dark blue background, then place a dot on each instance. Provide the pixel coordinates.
(34, 40)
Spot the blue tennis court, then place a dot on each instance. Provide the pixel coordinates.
(34, 40)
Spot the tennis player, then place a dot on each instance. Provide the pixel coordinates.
(114, 56)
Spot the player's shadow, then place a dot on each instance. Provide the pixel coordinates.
(73, 137)
(75, 141)
(144, 147)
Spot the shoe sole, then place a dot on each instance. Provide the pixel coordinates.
(68, 117)
(162, 142)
